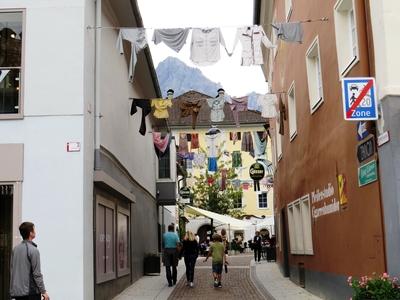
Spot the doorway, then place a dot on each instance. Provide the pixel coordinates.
(6, 220)
(285, 249)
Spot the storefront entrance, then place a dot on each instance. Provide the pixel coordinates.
(6, 218)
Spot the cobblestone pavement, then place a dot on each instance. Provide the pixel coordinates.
(236, 284)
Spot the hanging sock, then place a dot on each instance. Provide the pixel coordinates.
(137, 38)
(251, 38)
(206, 43)
(247, 143)
(144, 104)
(174, 38)
(190, 109)
(238, 105)
(289, 32)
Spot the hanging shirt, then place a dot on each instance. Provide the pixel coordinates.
(253, 102)
(137, 38)
(260, 142)
(183, 144)
(235, 136)
(194, 144)
(217, 108)
(213, 144)
(238, 105)
(247, 143)
(174, 38)
(199, 159)
(236, 159)
(190, 109)
(161, 107)
(289, 32)
(251, 38)
(205, 46)
(268, 103)
(146, 109)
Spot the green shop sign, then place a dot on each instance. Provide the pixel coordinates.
(367, 173)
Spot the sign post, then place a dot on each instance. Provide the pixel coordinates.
(359, 99)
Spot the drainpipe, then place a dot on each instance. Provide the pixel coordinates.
(97, 51)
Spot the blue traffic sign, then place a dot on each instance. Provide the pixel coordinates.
(359, 99)
(362, 131)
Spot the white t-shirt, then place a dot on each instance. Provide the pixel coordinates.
(268, 103)
(205, 46)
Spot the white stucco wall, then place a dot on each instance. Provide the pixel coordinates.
(52, 190)
(119, 130)
(385, 24)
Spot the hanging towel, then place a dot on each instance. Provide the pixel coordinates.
(251, 38)
(144, 104)
(190, 109)
(199, 159)
(195, 141)
(217, 108)
(183, 144)
(161, 144)
(236, 159)
(260, 142)
(224, 173)
(235, 136)
(175, 38)
(238, 105)
(161, 107)
(205, 46)
(247, 143)
(289, 32)
(268, 103)
(137, 38)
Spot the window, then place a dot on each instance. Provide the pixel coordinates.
(288, 8)
(263, 200)
(346, 35)
(237, 200)
(164, 166)
(292, 112)
(314, 76)
(300, 232)
(123, 242)
(105, 261)
(10, 63)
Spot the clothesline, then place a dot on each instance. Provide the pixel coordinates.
(203, 99)
(324, 19)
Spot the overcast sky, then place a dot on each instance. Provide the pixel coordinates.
(226, 14)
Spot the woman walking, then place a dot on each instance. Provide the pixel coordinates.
(190, 252)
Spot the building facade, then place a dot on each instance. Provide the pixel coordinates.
(329, 221)
(73, 161)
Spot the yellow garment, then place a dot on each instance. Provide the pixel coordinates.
(161, 107)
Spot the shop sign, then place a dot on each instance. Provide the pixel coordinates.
(257, 171)
(184, 192)
(383, 138)
(367, 173)
(324, 202)
(366, 149)
(73, 147)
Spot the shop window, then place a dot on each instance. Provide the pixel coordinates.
(292, 112)
(105, 231)
(346, 35)
(123, 263)
(314, 76)
(263, 200)
(10, 63)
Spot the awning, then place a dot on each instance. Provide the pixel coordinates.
(219, 219)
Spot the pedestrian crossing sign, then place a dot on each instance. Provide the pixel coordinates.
(359, 99)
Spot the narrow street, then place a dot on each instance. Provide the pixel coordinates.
(236, 284)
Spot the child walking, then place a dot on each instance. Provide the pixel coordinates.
(217, 251)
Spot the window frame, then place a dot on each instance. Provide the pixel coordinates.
(314, 73)
(126, 271)
(266, 200)
(341, 13)
(20, 114)
(235, 201)
(292, 111)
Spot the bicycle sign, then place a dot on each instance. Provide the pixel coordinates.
(359, 99)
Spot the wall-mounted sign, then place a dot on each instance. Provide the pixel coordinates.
(324, 202)
(184, 192)
(366, 149)
(362, 131)
(367, 173)
(342, 189)
(257, 171)
(383, 138)
(359, 99)
(73, 147)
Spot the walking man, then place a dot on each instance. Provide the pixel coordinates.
(257, 246)
(170, 242)
(217, 252)
(26, 277)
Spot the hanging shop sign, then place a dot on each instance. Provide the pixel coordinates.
(257, 171)
(184, 192)
(359, 99)
(366, 149)
(367, 173)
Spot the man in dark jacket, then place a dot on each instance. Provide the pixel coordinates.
(257, 246)
(26, 277)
